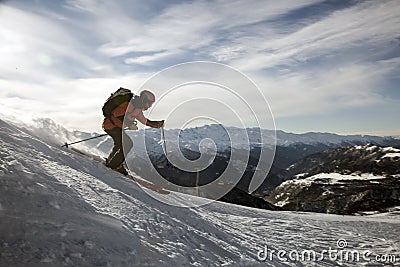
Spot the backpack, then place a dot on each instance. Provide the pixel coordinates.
(120, 96)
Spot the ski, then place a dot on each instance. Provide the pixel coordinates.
(149, 185)
(142, 182)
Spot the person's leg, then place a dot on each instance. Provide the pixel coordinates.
(127, 146)
(121, 142)
(113, 152)
(114, 157)
(127, 142)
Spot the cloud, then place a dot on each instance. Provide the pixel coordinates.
(187, 27)
(324, 91)
(367, 25)
(75, 103)
(91, 6)
(37, 48)
(196, 25)
(148, 59)
(55, 58)
(48, 70)
(330, 64)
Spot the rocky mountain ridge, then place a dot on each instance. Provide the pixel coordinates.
(344, 180)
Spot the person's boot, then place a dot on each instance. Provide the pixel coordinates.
(121, 169)
(110, 158)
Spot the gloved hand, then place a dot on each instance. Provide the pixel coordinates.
(160, 124)
(133, 127)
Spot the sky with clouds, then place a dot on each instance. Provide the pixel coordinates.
(326, 66)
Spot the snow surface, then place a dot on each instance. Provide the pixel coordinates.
(391, 155)
(58, 208)
(331, 178)
(337, 177)
(388, 152)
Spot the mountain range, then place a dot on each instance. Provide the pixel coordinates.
(294, 154)
(344, 180)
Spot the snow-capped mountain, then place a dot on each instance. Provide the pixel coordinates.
(332, 139)
(191, 138)
(58, 208)
(147, 143)
(363, 159)
(252, 137)
(343, 180)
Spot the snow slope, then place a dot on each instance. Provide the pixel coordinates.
(60, 209)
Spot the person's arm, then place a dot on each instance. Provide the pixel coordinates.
(142, 119)
(155, 124)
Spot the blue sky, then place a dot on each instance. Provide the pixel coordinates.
(327, 66)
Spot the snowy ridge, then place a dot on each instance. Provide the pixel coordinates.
(355, 193)
(60, 209)
(347, 160)
(386, 152)
(331, 178)
(342, 180)
(190, 138)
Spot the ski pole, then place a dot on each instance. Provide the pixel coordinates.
(101, 135)
(164, 142)
(66, 144)
(165, 148)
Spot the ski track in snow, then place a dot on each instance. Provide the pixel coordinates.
(59, 208)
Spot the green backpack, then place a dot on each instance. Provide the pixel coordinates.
(120, 96)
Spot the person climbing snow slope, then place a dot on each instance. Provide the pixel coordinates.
(121, 110)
